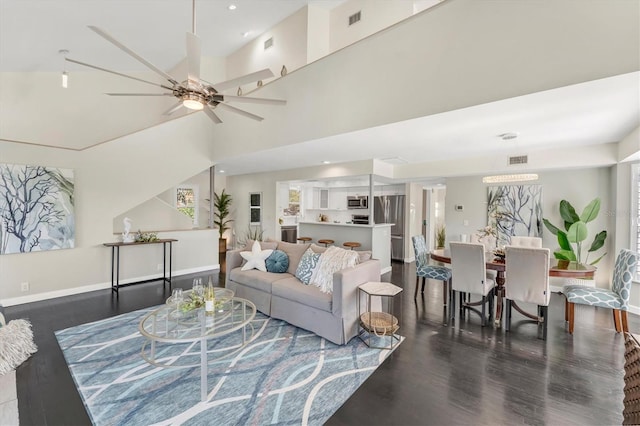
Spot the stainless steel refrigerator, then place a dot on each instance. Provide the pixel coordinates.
(390, 209)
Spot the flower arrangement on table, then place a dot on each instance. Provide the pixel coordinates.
(146, 237)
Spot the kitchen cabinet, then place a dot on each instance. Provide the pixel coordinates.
(338, 199)
(323, 198)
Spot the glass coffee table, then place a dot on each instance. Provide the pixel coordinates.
(169, 325)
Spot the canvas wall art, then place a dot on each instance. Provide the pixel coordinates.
(515, 210)
(36, 208)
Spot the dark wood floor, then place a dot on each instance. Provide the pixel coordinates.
(440, 375)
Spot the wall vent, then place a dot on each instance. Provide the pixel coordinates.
(354, 18)
(519, 159)
(268, 43)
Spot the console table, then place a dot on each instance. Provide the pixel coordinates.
(115, 262)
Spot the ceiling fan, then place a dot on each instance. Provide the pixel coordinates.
(193, 93)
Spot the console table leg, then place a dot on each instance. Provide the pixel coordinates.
(113, 256)
(164, 263)
(117, 270)
(170, 256)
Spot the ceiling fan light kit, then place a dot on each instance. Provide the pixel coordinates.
(193, 93)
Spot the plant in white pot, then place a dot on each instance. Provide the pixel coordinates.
(576, 233)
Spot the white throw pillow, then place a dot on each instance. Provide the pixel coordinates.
(255, 258)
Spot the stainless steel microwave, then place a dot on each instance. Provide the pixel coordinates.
(358, 202)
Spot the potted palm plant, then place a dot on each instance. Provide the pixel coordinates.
(222, 206)
(575, 232)
(441, 236)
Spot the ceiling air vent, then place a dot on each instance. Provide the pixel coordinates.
(268, 43)
(519, 159)
(354, 18)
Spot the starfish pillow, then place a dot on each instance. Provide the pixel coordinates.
(255, 258)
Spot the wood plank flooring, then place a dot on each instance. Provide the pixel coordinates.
(440, 375)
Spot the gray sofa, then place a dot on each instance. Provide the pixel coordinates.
(333, 316)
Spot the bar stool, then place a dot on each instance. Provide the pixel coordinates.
(351, 244)
(326, 242)
(304, 240)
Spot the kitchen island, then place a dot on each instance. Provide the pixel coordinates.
(376, 238)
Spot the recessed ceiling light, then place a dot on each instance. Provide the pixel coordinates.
(326, 162)
(221, 171)
(246, 34)
(508, 136)
(231, 7)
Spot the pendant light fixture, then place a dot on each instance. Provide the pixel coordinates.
(510, 178)
(65, 76)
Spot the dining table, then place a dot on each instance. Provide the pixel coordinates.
(558, 268)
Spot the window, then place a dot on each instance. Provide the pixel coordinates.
(255, 208)
(187, 201)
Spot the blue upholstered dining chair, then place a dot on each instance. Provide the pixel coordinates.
(616, 299)
(424, 270)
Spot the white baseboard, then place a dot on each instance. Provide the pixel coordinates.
(409, 259)
(93, 287)
(385, 270)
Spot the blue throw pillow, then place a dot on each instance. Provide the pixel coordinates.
(306, 266)
(278, 262)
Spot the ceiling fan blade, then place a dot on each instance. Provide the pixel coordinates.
(212, 115)
(139, 94)
(131, 53)
(241, 112)
(173, 109)
(254, 100)
(249, 78)
(193, 57)
(117, 73)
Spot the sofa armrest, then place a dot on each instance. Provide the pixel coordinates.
(234, 260)
(345, 287)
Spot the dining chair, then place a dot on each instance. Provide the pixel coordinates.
(424, 270)
(469, 276)
(533, 242)
(527, 271)
(616, 299)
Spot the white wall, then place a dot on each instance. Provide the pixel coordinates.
(375, 16)
(578, 187)
(109, 179)
(289, 48)
(318, 21)
(429, 55)
(413, 218)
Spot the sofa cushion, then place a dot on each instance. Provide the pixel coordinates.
(256, 279)
(295, 252)
(306, 266)
(318, 249)
(292, 289)
(363, 256)
(255, 258)
(278, 262)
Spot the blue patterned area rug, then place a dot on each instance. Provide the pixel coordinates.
(286, 375)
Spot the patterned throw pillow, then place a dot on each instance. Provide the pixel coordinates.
(306, 266)
(278, 262)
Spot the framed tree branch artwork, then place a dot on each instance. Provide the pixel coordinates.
(515, 210)
(36, 208)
